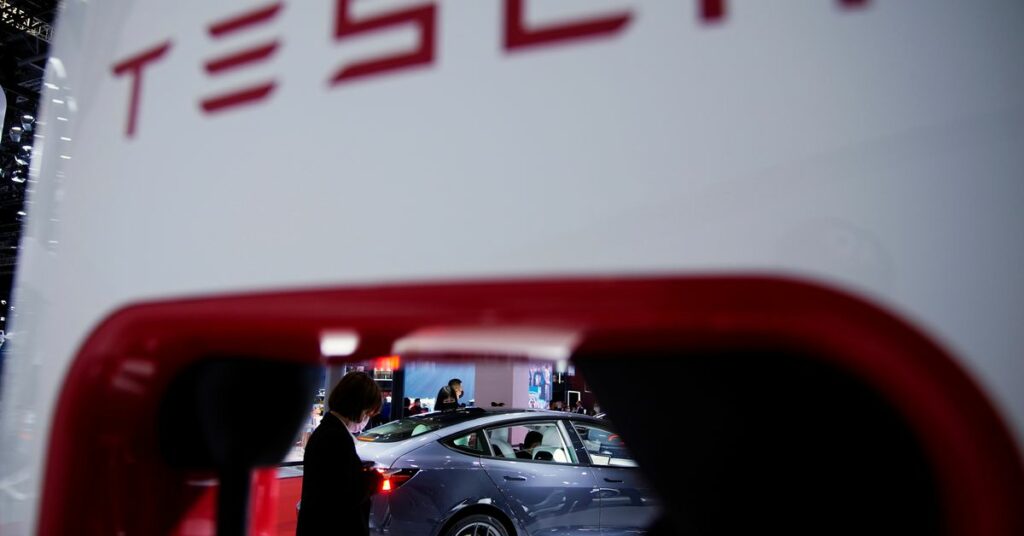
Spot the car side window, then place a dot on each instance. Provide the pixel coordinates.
(471, 443)
(542, 441)
(604, 446)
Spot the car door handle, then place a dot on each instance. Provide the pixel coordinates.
(613, 480)
(515, 478)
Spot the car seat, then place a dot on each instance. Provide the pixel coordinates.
(551, 446)
(502, 447)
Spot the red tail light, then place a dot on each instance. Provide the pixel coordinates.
(394, 479)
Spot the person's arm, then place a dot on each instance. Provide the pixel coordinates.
(364, 482)
(322, 470)
(354, 489)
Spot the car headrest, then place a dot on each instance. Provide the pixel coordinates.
(556, 454)
(504, 448)
(552, 437)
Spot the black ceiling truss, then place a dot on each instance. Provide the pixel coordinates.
(26, 29)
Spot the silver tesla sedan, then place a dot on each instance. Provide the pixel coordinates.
(503, 473)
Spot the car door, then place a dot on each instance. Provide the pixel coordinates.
(628, 504)
(550, 494)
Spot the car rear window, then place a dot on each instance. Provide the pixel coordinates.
(471, 443)
(420, 424)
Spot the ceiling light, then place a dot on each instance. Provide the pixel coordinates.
(58, 67)
(338, 342)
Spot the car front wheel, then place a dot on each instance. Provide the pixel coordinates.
(478, 525)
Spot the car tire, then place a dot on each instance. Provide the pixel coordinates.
(478, 525)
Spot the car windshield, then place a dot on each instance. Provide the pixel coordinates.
(420, 424)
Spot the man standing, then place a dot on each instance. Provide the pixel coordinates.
(416, 408)
(448, 396)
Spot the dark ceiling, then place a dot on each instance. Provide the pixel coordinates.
(25, 32)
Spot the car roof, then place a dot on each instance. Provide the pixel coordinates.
(469, 418)
(477, 412)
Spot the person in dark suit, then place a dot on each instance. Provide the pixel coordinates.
(533, 439)
(406, 403)
(336, 489)
(449, 395)
(416, 408)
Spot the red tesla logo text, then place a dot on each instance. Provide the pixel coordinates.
(225, 29)
(518, 36)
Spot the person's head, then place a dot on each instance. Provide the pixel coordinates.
(416, 402)
(356, 397)
(533, 438)
(556, 405)
(406, 401)
(455, 385)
